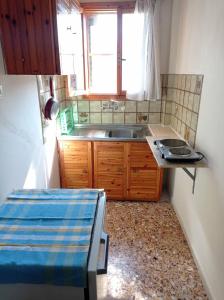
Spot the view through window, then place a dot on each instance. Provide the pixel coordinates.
(102, 43)
(108, 44)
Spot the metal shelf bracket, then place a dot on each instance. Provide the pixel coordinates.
(192, 176)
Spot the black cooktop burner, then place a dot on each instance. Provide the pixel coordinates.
(177, 150)
(182, 151)
(172, 143)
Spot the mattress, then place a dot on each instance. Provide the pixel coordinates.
(45, 236)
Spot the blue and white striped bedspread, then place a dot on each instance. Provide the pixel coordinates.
(45, 236)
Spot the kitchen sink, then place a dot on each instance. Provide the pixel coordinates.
(111, 132)
(122, 133)
(127, 133)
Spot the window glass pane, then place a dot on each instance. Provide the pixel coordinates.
(128, 28)
(67, 63)
(79, 71)
(104, 74)
(70, 46)
(103, 53)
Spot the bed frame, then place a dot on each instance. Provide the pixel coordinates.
(97, 264)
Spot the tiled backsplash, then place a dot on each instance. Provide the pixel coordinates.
(123, 112)
(58, 84)
(181, 96)
(178, 108)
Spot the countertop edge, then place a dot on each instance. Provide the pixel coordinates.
(91, 139)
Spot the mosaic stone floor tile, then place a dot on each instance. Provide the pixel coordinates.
(149, 257)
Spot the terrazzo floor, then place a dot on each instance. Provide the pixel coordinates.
(149, 257)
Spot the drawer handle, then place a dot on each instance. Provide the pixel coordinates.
(102, 263)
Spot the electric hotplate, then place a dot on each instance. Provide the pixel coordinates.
(177, 150)
(171, 143)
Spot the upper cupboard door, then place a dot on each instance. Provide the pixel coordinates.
(12, 34)
(29, 36)
(40, 18)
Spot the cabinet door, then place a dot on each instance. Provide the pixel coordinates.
(29, 36)
(110, 168)
(12, 39)
(75, 164)
(144, 178)
(41, 36)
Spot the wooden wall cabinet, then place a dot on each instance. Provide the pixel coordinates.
(126, 170)
(31, 40)
(76, 164)
(28, 36)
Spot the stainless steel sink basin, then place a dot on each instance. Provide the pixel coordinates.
(121, 133)
(130, 133)
(111, 132)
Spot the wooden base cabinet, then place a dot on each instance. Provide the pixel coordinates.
(76, 164)
(144, 178)
(126, 170)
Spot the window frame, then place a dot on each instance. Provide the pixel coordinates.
(89, 9)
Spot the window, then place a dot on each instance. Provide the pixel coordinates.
(71, 46)
(107, 45)
(102, 53)
(127, 29)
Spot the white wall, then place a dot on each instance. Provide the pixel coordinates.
(197, 47)
(23, 162)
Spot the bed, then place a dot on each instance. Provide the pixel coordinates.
(52, 244)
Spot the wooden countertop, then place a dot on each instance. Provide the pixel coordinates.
(164, 132)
